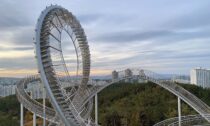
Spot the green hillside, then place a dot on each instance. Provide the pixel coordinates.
(142, 104)
(121, 104)
(9, 111)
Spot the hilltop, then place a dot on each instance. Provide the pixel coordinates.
(121, 104)
(142, 104)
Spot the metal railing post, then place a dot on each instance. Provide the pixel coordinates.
(44, 103)
(96, 109)
(21, 115)
(34, 114)
(179, 110)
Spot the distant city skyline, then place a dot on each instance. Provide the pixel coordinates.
(164, 36)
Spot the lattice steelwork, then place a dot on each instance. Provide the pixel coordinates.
(185, 121)
(97, 86)
(53, 21)
(72, 105)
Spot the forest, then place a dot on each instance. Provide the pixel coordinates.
(121, 104)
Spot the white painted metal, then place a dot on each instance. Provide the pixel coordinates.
(21, 115)
(189, 119)
(44, 106)
(40, 65)
(34, 114)
(179, 110)
(96, 109)
(68, 112)
(34, 119)
(74, 108)
(31, 104)
(189, 98)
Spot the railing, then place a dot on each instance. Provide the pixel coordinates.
(82, 97)
(190, 99)
(31, 104)
(185, 120)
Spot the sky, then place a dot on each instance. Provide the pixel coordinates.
(166, 36)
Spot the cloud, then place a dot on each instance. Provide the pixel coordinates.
(129, 36)
(172, 38)
(2, 48)
(23, 36)
(28, 62)
(12, 16)
(199, 18)
(89, 18)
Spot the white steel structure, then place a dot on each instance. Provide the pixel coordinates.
(200, 77)
(95, 88)
(72, 105)
(53, 21)
(189, 120)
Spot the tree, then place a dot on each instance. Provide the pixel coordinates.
(113, 120)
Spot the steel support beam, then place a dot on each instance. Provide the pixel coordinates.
(34, 114)
(34, 119)
(96, 109)
(21, 115)
(44, 111)
(179, 110)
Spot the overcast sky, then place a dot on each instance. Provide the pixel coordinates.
(167, 36)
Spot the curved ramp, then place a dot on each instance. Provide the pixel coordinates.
(185, 121)
(198, 105)
(31, 104)
(36, 107)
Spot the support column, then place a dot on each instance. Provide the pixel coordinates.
(44, 111)
(21, 115)
(34, 114)
(96, 109)
(34, 119)
(179, 110)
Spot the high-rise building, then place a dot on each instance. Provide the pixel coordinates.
(115, 75)
(200, 77)
(128, 75)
